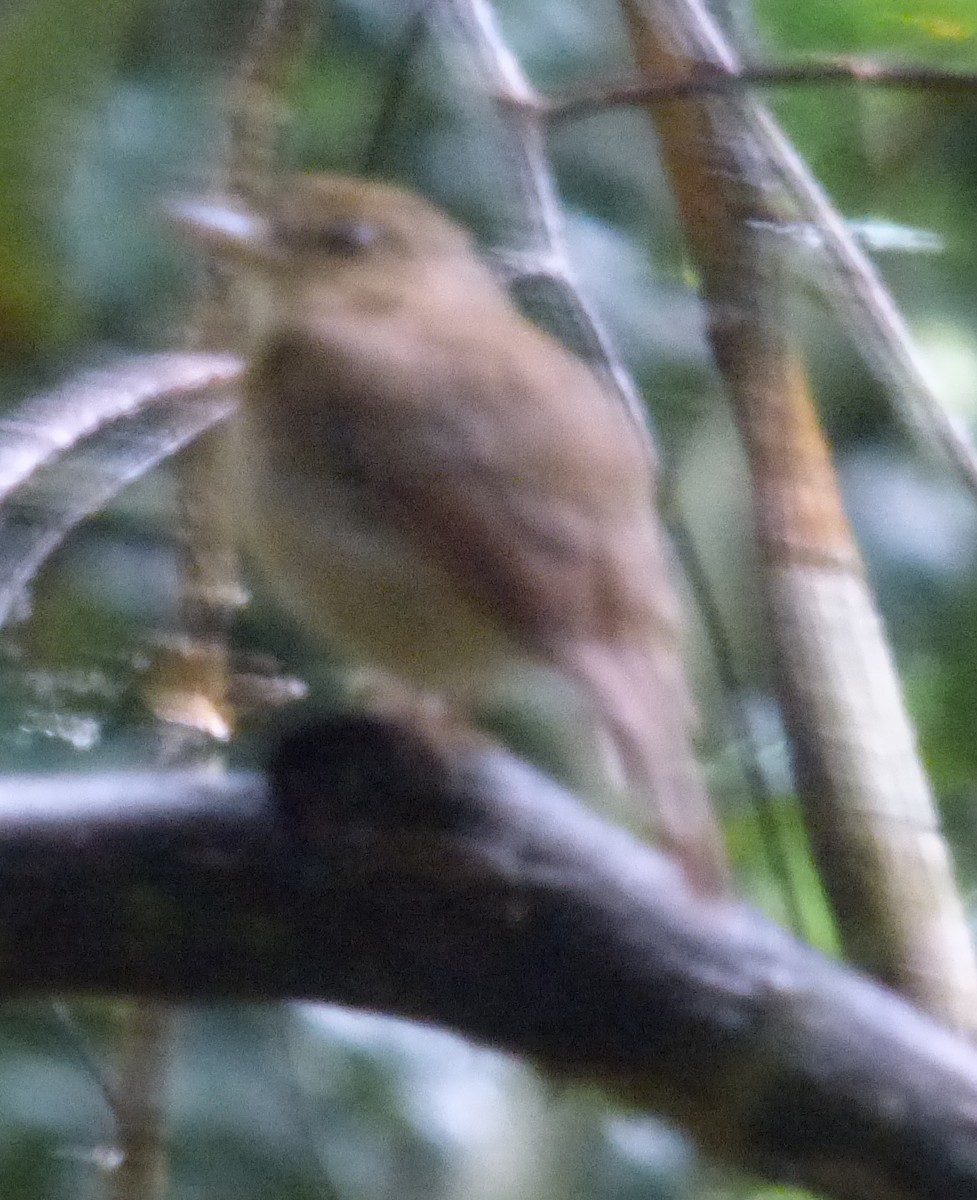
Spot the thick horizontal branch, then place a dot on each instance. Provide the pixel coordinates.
(451, 883)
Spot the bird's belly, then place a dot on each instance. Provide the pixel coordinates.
(366, 590)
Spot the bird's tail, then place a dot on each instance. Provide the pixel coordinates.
(642, 698)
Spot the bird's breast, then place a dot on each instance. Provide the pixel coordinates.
(352, 578)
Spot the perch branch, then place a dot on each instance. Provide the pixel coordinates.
(451, 883)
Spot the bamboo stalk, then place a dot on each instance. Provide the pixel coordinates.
(866, 799)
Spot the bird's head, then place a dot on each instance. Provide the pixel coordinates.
(335, 238)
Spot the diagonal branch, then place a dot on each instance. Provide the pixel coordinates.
(68, 453)
(866, 800)
(849, 280)
(446, 881)
(472, 28)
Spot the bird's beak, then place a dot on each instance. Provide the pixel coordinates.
(222, 226)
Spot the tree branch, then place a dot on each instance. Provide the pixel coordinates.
(867, 803)
(711, 78)
(444, 880)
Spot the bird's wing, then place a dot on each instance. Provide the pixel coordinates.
(520, 476)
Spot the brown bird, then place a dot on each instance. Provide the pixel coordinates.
(442, 490)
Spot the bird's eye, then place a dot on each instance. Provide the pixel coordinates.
(342, 238)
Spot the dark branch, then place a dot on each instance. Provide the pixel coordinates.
(451, 883)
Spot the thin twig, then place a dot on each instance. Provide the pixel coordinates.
(191, 686)
(145, 1045)
(848, 278)
(544, 252)
(744, 738)
(712, 79)
(78, 1043)
(396, 84)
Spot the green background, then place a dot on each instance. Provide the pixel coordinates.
(109, 106)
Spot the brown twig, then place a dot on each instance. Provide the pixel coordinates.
(189, 686)
(707, 79)
(145, 1035)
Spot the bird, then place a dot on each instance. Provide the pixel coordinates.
(438, 488)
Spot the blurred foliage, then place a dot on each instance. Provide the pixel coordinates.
(53, 59)
(108, 105)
